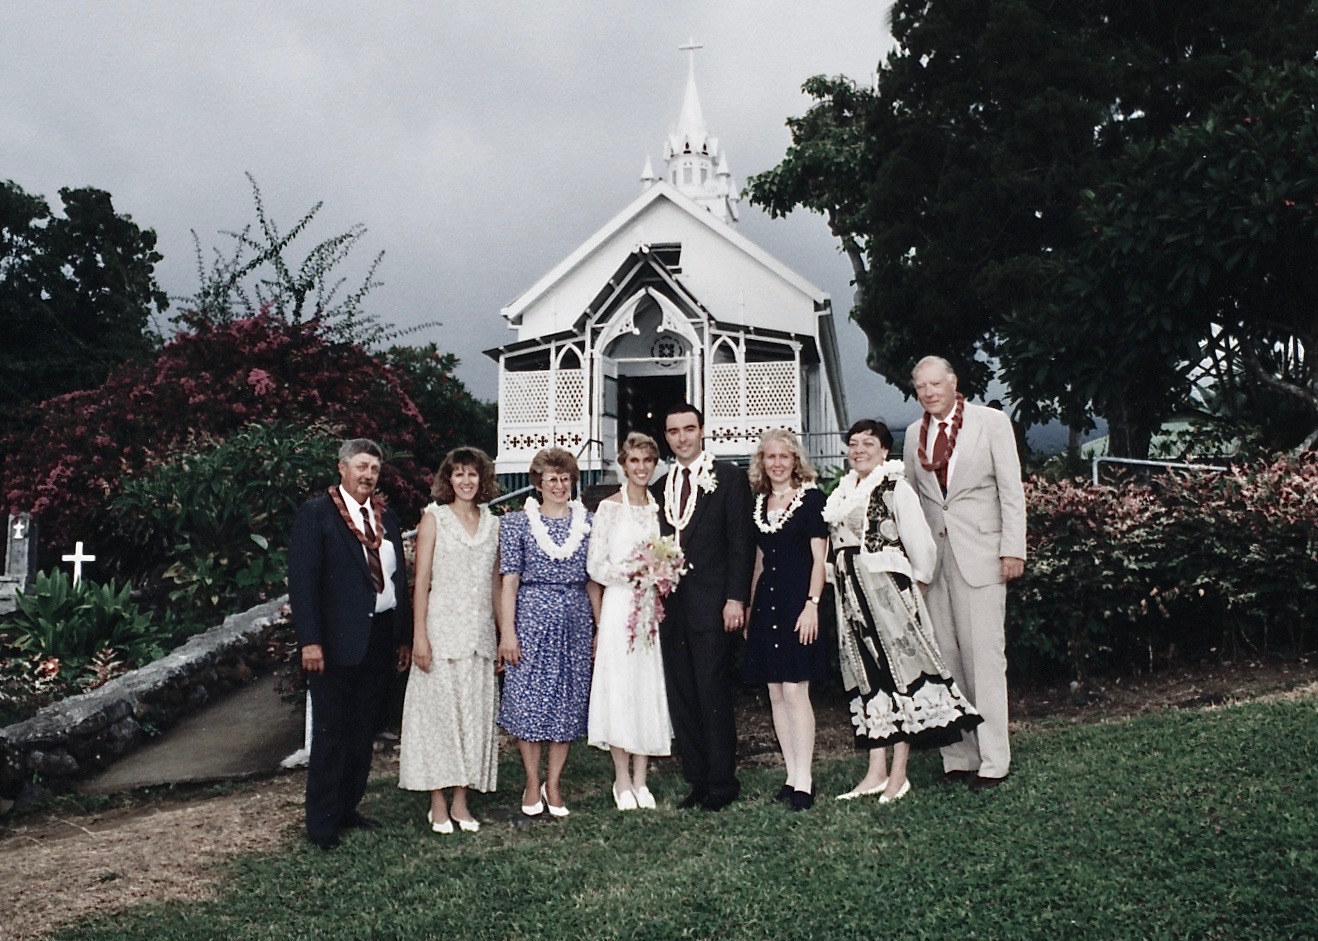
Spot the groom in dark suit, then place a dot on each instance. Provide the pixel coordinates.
(347, 586)
(707, 503)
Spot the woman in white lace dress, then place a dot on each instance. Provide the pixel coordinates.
(449, 738)
(628, 704)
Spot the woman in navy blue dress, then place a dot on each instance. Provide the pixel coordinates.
(548, 627)
(782, 637)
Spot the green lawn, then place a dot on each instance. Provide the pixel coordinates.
(1181, 825)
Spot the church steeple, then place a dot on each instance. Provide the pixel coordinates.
(694, 162)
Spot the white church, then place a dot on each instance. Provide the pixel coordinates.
(668, 303)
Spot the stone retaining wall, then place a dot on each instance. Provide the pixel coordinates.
(83, 734)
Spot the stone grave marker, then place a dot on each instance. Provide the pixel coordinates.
(20, 560)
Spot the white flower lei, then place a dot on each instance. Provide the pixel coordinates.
(702, 477)
(852, 491)
(576, 533)
(766, 525)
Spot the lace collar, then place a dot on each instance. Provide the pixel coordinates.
(446, 517)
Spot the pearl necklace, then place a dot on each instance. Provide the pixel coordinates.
(853, 491)
(576, 532)
(766, 525)
(702, 478)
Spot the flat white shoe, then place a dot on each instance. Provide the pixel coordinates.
(644, 799)
(468, 826)
(626, 800)
(445, 828)
(553, 811)
(867, 792)
(901, 792)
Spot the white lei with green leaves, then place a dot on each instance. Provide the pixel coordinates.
(576, 532)
(702, 478)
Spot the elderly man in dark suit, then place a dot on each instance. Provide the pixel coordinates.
(347, 586)
(707, 503)
(962, 461)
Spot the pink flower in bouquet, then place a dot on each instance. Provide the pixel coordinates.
(653, 569)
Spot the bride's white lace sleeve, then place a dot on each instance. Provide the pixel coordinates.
(603, 569)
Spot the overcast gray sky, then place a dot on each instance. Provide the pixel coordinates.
(480, 143)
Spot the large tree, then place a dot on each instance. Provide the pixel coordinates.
(955, 185)
(78, 294)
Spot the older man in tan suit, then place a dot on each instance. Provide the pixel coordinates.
(962, 461)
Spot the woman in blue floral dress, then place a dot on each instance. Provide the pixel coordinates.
(547, 629)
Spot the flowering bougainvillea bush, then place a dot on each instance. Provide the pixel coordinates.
(210, 381)
(1206, 564)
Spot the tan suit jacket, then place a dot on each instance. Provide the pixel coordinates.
(983, 513)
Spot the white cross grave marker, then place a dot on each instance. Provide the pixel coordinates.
(20, 528)
(77, 558)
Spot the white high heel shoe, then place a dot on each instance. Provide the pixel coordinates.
(644, 799)
(467, 826)
(553, 811)
(626, 800)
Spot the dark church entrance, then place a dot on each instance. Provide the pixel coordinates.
(642, 402)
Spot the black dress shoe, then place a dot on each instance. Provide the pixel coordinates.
(983, 784)
(359, 821)
(716, 802)
(325, 843)
(802, 800)
(784, 793)
(695, 799)
(959, 777)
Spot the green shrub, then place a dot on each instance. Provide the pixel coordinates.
(1206, 564)
(213, 522)
(75, 623)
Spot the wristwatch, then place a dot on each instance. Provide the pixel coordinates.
(813, 599)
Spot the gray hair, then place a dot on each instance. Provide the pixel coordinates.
(351, 447)
(930, 361)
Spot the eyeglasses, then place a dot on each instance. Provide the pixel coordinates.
(557, 481)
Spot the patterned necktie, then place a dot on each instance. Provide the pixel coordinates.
(686, 492)
(372, 555)
(942, 454)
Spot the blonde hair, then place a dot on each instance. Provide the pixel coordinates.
(638, 441)
(802, 473)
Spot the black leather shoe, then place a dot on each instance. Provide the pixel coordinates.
(983, 784)
(784, 793)
(359, 821)
(715, 802)
(959, 777)
(802, 800)
(325, 843)
(695, 799)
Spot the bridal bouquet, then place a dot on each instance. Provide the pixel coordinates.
(653, 569)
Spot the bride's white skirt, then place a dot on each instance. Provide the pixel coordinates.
(628, 702)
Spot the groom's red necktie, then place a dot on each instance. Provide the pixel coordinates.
(942, 455)
(372, 555)
(686, 492)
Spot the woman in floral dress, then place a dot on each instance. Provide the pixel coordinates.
(883, 553)
(546, 633)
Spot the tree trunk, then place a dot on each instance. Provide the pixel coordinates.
(1129, 430)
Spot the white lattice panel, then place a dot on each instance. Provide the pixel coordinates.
(524, 397)
(570, 402)
(772, 389)
(723, 397)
